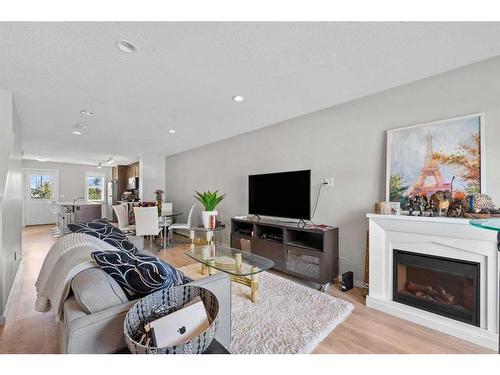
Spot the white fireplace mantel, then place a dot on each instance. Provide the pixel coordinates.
(438, 236)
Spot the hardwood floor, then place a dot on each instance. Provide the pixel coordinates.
(364, 331)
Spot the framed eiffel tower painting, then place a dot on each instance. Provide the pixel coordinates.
(440, 155)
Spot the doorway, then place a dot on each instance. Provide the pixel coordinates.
(42, 191)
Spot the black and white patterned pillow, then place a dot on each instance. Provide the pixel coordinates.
(105, 231)
(138, 275)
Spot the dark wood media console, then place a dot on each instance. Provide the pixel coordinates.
(308, 253)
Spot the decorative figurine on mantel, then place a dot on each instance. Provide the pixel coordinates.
(479, 206)
(441, 201)
(422, 204)
(416, 203)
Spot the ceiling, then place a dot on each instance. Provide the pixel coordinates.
(184, 76)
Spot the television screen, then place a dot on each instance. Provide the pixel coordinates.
(284, 194)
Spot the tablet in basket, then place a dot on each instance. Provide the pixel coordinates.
(180, 326)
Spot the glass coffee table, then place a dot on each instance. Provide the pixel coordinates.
(242, 266)
(208, 232)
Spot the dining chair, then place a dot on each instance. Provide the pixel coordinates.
(167, 208)
(184, 226)
(121, 212)
(147, 222)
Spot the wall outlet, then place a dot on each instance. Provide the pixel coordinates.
(329, 181)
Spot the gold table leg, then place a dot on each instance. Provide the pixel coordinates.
(254, 285)
(204, 270)
(238, 261)
(211, 270)
(252, 282)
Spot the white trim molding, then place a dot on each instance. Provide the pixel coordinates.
(437, 236)
(5, 312)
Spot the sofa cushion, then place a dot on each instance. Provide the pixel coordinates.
(138, 274)
(95, 290)
(105, 231)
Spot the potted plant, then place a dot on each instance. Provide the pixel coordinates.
(209, 200)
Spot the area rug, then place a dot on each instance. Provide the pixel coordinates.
(288, 318)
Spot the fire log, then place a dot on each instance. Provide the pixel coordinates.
(422, 291)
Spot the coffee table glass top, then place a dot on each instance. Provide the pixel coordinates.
(491, 224)
(225, 259)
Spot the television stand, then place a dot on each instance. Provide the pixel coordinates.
(307, 253)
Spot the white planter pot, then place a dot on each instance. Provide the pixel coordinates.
(205, 216)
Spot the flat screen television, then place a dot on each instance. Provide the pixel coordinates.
(283, 194)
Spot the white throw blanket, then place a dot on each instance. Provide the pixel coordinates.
(67, 257)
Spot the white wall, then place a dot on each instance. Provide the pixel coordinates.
(345, 141)
(11, 202)
(71, 178)
(151, 175)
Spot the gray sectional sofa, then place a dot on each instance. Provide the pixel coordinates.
(93, 313)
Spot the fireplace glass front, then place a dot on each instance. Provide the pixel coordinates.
(443, 286)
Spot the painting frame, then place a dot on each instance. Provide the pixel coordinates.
(482, 149)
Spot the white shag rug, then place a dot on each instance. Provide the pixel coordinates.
(288, 317)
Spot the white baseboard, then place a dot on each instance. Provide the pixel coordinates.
(14, 285)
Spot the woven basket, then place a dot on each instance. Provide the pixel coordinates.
(174, 297)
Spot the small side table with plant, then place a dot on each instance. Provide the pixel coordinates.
(209, 200)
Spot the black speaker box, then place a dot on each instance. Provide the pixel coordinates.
(347, 281)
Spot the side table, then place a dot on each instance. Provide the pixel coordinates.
(491, 224)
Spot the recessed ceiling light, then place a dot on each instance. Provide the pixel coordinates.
(99, 165)
(238, 98)
(41, 159)
(126, 46)
(87, 112)
(110, 160)
(77, 132)
(171, 131)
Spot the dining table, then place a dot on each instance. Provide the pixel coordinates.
(165, 222)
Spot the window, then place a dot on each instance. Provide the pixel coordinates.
(94, 187)
(41, 187)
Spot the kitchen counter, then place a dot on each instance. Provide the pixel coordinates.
(83, 211)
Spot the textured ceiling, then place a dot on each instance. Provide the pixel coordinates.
(184, 75)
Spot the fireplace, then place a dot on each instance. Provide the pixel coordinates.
(443, 286)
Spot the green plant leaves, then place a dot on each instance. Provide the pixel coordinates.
(209, 199)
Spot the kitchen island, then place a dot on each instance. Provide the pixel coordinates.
(82, 210)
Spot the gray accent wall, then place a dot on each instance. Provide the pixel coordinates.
(10, 204)
(347, 142)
